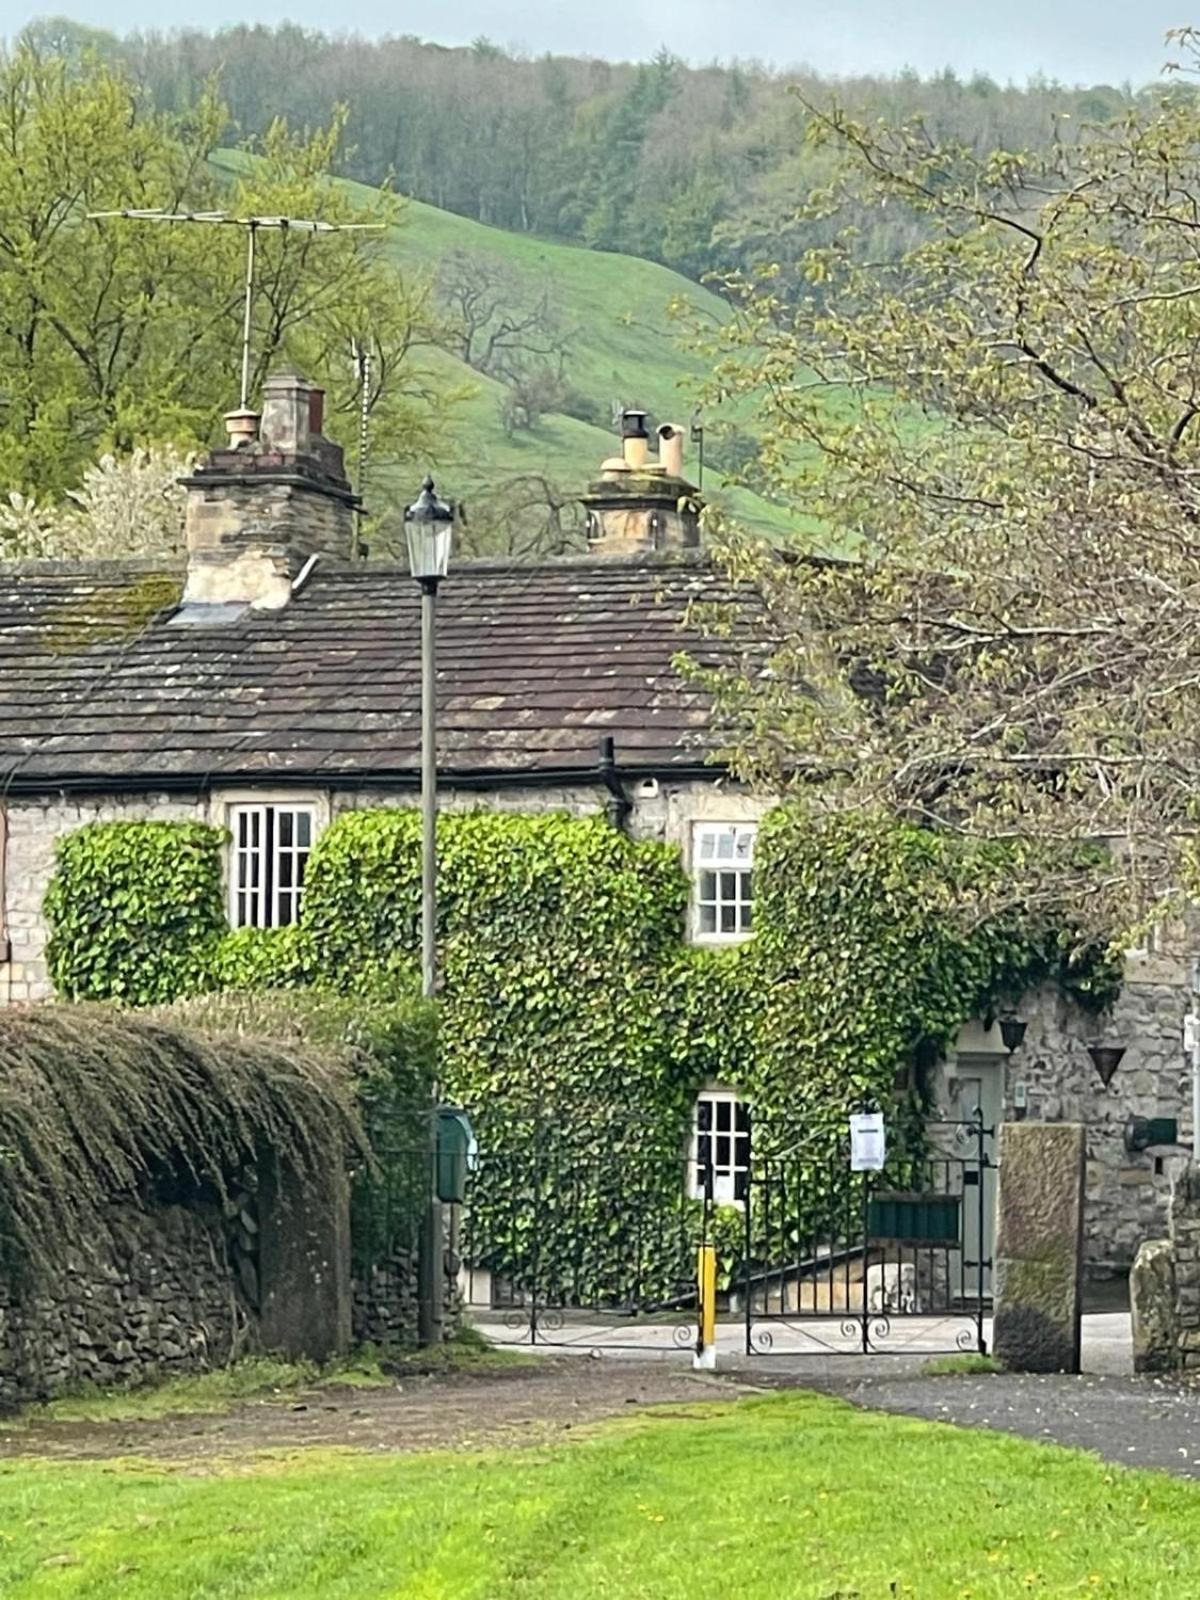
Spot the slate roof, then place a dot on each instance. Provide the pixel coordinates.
(536, 665)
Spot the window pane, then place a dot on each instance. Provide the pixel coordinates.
(724, 1150)
(728, 919)
(286, 864)
(304, 829)
(708, 918)
(285, 824)
(744, 849)
(708, 886)
(706, 847)
(724, 1113)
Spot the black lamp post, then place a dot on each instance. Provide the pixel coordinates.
(429, 528)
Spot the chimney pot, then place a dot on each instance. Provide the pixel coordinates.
(670, 449)
(290, 405)
(242, 428)
(634, 439)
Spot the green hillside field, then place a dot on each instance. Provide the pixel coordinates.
(624, 349)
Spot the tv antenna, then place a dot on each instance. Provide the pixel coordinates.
(252, 227)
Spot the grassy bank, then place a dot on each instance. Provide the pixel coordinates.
(787, 1496)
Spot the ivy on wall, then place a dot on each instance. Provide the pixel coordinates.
(135, 911)
(570, 998)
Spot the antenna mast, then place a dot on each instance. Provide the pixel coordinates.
(222, 219)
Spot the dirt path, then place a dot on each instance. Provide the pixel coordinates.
(522, 1405)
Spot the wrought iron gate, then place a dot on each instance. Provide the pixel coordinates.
(562, 1250)
(860, 1262)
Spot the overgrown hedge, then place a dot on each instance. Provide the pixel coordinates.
(96, 1103)
(390, 1047)
(571, 1001)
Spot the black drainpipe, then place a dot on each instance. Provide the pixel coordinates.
(619, 804)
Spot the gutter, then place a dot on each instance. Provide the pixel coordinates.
(603, 774)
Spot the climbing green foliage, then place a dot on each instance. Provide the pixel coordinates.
(135, 911)
(247, 960)
(554, 935)
(575, 1023)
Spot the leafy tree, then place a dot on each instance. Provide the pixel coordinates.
(1002, 428)
(117, 333)
(132, 506)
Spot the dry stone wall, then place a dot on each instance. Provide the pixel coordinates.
(384, 1307)
(158, 1300)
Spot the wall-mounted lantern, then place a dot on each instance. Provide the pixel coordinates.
(1012, 1030)
(1106, 1058)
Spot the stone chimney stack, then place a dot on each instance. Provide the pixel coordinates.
(639, 503)
(260, 506)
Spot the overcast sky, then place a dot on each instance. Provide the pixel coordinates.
(1078, 41)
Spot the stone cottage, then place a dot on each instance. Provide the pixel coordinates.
(270, 683)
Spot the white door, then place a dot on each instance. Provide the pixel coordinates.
(976, 1086)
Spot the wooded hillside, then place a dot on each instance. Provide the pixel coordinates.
(697, 168)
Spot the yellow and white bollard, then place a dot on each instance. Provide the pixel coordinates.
(705, 1358)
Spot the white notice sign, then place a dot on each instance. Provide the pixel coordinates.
(867, 1142)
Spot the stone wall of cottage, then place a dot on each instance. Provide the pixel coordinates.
(662, 811)
(31, 828)
(1127, 1194)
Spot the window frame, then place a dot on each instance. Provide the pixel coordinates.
(742, 903)
(265, 808)
(727, 1189)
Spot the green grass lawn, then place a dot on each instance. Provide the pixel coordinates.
(787, 1496)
